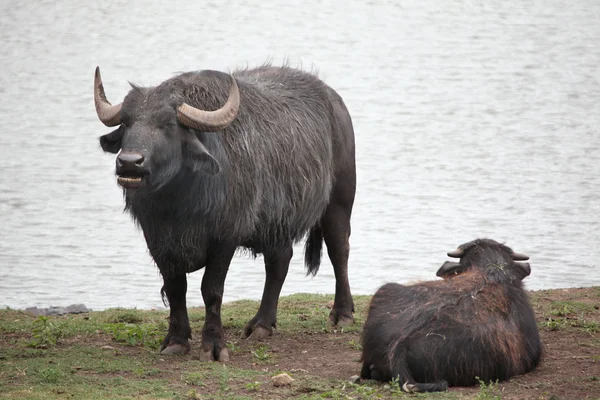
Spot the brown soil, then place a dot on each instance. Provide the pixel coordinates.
(570, 368)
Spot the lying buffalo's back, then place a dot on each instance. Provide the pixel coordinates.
(454, 326)
(441, 309)
(459, 301)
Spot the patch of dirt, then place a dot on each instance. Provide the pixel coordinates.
(570, 368)
(326, 355)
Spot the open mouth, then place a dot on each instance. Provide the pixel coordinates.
(131, 182)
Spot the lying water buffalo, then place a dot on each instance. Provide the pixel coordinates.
(212, 162)
(476, 323)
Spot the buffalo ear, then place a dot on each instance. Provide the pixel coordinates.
(450, 268)
(523, 270)
(200, 158)
(111, 142)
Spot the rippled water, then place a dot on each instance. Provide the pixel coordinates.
(472, 119)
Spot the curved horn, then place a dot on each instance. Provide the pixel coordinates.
(211, 121)
(458, 253)
(519, 257)
(109, 115)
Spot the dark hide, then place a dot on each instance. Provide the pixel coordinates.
(284, 168)
(477, 322)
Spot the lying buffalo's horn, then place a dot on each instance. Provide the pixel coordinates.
(519, 257)
(211, 121)
(458, 253)
(109, 115)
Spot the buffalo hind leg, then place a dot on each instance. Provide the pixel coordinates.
(424, 387)
(401, 372)
(276, 267)
(174, 290)
(213, 283)
(336, 232)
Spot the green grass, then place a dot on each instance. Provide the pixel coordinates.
(302, 313)
(261, 353)
(147, 335)
(570, 314)
(567, 308)
(112, 354)
(87, 356)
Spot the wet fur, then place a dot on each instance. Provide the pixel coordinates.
(277, 166)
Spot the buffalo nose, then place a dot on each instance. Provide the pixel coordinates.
(130, 159)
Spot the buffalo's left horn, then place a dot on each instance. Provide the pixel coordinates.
(458, 253)
(211, 121)
(519, 257)
(109, 115)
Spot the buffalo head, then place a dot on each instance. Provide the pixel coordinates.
(158, 132)
(494, 259)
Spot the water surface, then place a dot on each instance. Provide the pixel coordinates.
(472, 119)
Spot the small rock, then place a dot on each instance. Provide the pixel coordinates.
(354, 378)
(107, 347)
(282, 380)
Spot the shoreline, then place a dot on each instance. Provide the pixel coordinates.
(79, 308)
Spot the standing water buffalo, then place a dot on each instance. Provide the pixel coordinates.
(476, 323)
(211, 162)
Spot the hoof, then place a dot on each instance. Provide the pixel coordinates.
(209, 355)
(341, 322)
(260, 332)
(410, 388)
(345, 321)
(175, 349)
(224, 355)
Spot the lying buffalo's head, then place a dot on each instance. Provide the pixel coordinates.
(496, 260)
(158, 131)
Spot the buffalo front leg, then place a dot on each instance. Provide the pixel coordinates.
(277, 264)
(213, 283)
(336, 232)
(177, 340)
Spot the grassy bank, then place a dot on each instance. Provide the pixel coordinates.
(112, 354)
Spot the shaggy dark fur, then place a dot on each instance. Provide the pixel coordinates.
(477, 322)
(286, 168)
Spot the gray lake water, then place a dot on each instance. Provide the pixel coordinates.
(472, 119)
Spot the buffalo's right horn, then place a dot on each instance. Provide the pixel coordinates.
(107, 113)
(458, 253)
(520, 257)
(211, 121)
